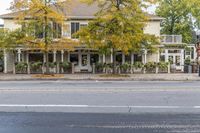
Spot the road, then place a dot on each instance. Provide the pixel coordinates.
(99, 106)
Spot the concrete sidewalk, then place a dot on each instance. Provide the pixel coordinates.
(132, 77)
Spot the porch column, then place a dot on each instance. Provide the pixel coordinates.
(104, 58)
(111, 56)
(27, 61)
(100, 58)
(123, 58)
(88, 57)
(44, 58)
(68, 56)
(132, 58)
(79, 58)
(5, 61)
(182, 60)
(145, 57)
(19, 55)
(54, 56)
(158, 56)
(166, 55)
(62, 55)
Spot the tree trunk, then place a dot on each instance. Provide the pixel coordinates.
(46, 40)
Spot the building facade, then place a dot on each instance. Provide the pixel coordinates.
(176, 52)
(82, 57)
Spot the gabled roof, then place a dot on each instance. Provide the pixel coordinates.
(79, 10)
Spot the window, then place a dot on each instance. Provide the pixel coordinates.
(94, 58)
(75, 26)
(57, 30)
(137, 57)
(82, 25)
(74, 58)
(66, 30)
(119, 58)
(162, 58)
(192, 53)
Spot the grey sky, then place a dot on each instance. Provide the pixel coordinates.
(5, 4)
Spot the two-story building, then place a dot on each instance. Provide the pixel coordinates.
(79, 16)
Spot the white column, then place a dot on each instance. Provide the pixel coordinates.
(68, 56)
(5, 61)
(158, 56)
(79, 58)
(104, 58)
(44, 57)
(88, 58)
(100, 59)
(54, 56)
(123, 58)
(62, 55)
(166, 55)
(182, 60)
(19, 55)
(27, 61)
(111, 56)
(132, 58)
(145, 57)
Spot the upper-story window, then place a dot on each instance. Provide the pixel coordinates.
(57, 30)
(75, 26)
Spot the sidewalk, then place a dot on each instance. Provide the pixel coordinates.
(132, 77)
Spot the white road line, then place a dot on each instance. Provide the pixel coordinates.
(93, 106)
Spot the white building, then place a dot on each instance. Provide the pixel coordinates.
(79, 16)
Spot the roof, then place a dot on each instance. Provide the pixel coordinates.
(79, 10)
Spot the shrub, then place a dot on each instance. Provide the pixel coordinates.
(163, 65)
(65, 65)
(21, 67)
(125, 67)
(138, 65)
(36, 65)
(150, 66)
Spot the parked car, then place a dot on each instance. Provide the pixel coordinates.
(1, 65)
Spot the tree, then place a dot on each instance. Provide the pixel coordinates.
(178, 18)
(118, 26)
(37, 18)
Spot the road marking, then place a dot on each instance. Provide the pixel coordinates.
(94, 106)
(106, 89)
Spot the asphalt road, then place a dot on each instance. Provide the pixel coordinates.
(98, 123)
(99, 96)
(99, 107)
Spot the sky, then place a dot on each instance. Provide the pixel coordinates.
(5, 4)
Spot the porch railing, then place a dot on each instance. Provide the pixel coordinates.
(171, 39)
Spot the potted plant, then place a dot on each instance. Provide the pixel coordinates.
(99, 67)
(65, 66)
(150, 67)
(187, 65)
(125, 68)
(163, 66)
(138, 66)
(36, 67)
(21, 67)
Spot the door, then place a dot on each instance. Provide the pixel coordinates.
(84, 60)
